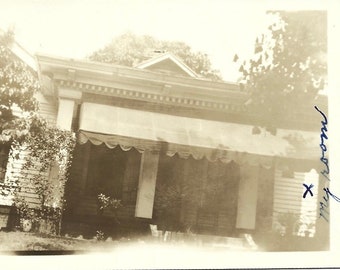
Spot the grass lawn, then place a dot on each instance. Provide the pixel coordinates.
(24, 241)
(21, 241)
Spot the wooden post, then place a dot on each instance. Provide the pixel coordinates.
(147, 184)
(65, 114)
(66, 108)
(247, 197)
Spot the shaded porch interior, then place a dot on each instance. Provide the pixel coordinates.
(190, 195)
(183, 174)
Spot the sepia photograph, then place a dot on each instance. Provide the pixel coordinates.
(167, 134)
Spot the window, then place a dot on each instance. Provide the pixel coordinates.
(4, 152)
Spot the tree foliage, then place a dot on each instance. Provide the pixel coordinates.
(48, 146)
(40, 145)
(46, 152)
(130, 49)
(288, 66)
(18, 86)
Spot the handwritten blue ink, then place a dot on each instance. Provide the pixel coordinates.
(324, 205)
(308, 190)
(323, 209)
(323, 137)
(328, 193)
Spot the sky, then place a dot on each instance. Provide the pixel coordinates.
(75, 28)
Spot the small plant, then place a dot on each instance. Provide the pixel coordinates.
(99, 236)
(106, 202)
(50, 213)
(28, 216)
(23, 209)
(40, 218)
(111, 204)
(290, 221)
(307, 225)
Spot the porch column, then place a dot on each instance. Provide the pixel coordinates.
(147, 184)
(67, 98)
(66, 108)
(65, 114)
(247, 197)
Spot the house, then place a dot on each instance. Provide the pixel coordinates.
(177, 150)
(11, 168)
(146, 128)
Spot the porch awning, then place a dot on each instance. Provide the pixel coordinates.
(182, 135)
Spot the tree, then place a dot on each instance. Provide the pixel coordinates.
(130, 49)
(31, 139)
(18, 86)
(288, 66)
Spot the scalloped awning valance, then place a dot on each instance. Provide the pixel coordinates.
(184, 136)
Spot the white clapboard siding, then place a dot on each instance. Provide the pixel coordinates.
(48, 110)
(288, 194)
(309, 205)
(15, 172)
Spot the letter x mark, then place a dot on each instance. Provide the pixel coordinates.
(308, 189)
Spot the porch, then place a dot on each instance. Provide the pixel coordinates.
(189, 195)
(187, 181)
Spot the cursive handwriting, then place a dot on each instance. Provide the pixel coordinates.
(323, 212)
(323, 147)
(324, 204)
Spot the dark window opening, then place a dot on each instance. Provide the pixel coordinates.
(131, 177)
(4, 152)
(196, 195)
(218, 209)
(113, 172)
(76, 117)
(168, 196)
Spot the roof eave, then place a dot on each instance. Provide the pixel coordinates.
(51, 64)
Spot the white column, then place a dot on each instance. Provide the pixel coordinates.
(65, 113)
(147, 184)
(67, 102)
(247, 197)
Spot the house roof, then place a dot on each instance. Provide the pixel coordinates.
(180, 95)
(22, 54)
(167, 57)
(104, 73)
